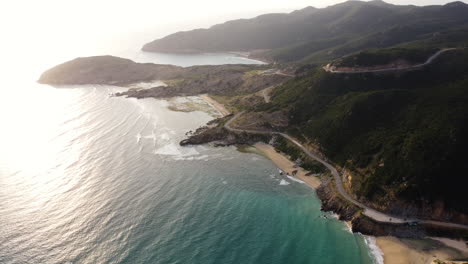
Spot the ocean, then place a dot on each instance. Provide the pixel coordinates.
(90, 178)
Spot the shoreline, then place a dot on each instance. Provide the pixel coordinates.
(248, 55)
(287, 166)
(390, 249)
(214, 104)
(419, 251)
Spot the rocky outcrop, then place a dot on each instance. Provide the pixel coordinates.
(214, 132)
(332, 201)
(217, 79)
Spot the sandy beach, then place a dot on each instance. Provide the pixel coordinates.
(219, 107)
(420, 251)
(286, 165)
(281, 161)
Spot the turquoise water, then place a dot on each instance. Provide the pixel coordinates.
(88, 178)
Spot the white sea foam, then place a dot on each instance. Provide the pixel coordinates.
(138, 136)
(169, 150)
(165, 136)
(185, 156)
(348, 227)
(147, 85)
(283, 182)
(294, 179)
(180, 153)
(152, 136)
(375, 251)
(187, 151)
(201, 147)
(203, 157)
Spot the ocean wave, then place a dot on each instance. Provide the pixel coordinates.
(335, 215)
(348, 227)
(294, 179)
(194, 157)
(283, 182)
(174, 149)
(169, 150)
(375, 251)
(164, 136)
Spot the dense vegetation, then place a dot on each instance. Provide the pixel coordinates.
(404, 134)
(314, 35)
(385, 56)
(298, 156)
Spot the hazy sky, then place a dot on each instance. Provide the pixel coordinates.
(32, 24)
(76, 15)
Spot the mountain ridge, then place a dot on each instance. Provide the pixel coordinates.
(369, 23)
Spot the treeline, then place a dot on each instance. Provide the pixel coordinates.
(297, 155)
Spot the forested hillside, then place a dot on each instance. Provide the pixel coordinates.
(402, 135)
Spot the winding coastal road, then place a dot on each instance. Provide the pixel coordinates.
(331, 69)
(371, 213)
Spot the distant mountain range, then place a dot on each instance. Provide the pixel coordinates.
(313, 35)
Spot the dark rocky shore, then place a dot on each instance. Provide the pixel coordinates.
(214, 132)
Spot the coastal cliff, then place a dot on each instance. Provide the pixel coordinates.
(332, 201)
(215, 132)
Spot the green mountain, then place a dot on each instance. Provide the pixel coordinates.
(315, 35)
(403, 135)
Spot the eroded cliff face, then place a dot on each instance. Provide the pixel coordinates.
(332, 201)
(392, 204)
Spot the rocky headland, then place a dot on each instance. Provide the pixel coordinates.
(195, 80)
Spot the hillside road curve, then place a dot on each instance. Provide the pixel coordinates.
(371, 213)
